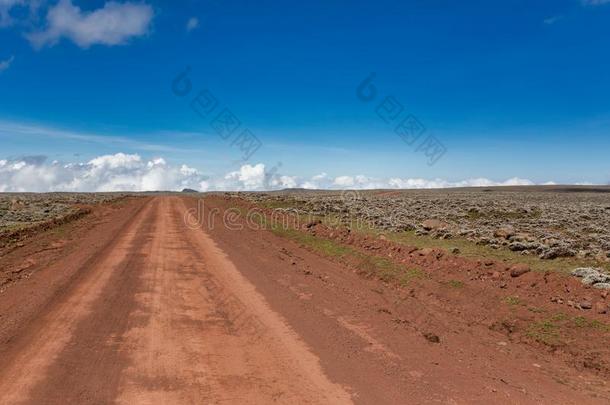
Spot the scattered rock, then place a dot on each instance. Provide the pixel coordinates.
(519, 269)
(523, 246)
(505, 232)
(431, 337)
(585, 304)
(560, 251)
(434, 224)
(455, 251)
(313, 223)
(425, 251)
(593, 276)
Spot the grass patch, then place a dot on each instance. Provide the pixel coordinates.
(548, 331)
(409, 275)
(371, 266)
(453, 283)
(513, 301)
(323, 246)
(545, 332)
(582, 322)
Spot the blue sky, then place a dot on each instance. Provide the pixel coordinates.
(509, 88)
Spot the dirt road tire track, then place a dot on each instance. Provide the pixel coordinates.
(143, 326)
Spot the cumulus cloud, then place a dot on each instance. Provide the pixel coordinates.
(118, 172)
(129, 172)
(344, 181)
(252, 177)
(192, 23)
(113, 24)
(5, 64)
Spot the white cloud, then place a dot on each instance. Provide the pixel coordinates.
(5, 64)
(419, 183)
(250, 177)
(130, 172)
(113, 24)
(284, 182)
(344, 181)
(118, 172)
(192, 23)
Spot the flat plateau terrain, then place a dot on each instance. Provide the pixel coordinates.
(376, 297)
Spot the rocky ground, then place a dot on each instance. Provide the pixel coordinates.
(23, 215)
(22, 210)
(548, 223)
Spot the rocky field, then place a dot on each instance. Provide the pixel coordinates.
(21, 211)
(544, 222)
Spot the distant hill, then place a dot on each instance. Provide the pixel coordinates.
(189, 190)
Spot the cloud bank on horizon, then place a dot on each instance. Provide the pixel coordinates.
(129, 172)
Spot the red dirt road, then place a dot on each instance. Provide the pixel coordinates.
(140, 308)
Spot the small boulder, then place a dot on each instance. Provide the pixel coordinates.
(519, 269)
(584, 304)
(432, 338)
(425, 251)
(559, 251)
(505, 232)
(523, 246)
(313, 223)
(434, 224)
